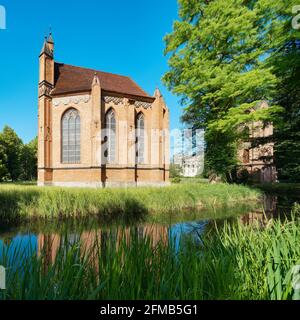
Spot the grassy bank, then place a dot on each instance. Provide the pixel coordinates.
(234, 261)
(23, 202)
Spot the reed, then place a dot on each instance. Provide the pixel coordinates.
(25, 202)
(231, 261)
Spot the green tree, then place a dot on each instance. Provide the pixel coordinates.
(29, 161)
(218, 52)
(3, 161)
(287, 133)
(12, 147)
(175, 171)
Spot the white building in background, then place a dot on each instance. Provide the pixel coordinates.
(191, 166)
(189, 152)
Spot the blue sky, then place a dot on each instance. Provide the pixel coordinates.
(124, 37)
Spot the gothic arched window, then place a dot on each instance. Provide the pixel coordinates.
(140, 136)
(246, 156)
(71, 137)
(111, 136)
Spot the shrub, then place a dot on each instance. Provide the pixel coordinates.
(176, 180)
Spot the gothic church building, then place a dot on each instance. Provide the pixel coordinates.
(98, 129)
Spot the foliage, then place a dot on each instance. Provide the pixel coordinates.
(221, 155)
(175, 170)
(281, 188)
(12, 145)
(176, 180)
(218, 54)
(296, 209)
(3, 161)
(29, 161)
(287, 134)
(18, 161)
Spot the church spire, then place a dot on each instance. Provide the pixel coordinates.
(46, 49)
(50, 41)
(46, 65)
(50, 37)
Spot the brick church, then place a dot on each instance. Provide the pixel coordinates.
(98, 129)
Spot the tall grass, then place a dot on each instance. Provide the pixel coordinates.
(232, 261)
(22, 202)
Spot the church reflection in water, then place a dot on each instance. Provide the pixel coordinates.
(93, 241)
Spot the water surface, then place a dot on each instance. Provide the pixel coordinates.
(33, 238)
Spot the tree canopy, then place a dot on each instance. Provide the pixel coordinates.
(18, 161)
(221, 59)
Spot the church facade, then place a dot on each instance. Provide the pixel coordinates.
(98, 129)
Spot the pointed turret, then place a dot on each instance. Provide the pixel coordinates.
(159, 97)
(50, 38)
(96, 81)
(157, 93)
(46, 49)
(50, 42)
(47, 64)
(160, 124)
(46, 85)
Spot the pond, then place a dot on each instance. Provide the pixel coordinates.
(183, 255)
(33, 238)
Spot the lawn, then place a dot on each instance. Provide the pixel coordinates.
(21, 202)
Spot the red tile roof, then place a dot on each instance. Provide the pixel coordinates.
(69, 79)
